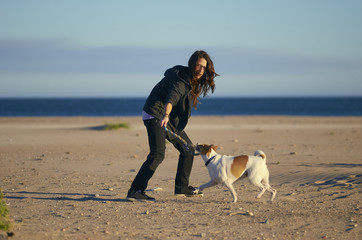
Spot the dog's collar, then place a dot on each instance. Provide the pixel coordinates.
(208, 161)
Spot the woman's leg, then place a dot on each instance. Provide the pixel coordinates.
(185, 162)
(156, 141)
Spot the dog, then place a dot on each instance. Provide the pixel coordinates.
(228, 169)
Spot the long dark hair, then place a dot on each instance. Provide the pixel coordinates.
(206, 83)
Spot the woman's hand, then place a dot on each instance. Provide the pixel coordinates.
(166, 116)
(164, 121)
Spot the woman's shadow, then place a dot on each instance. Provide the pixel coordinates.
(62, 196)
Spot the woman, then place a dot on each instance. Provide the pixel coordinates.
(169, 104)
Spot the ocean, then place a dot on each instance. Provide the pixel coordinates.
(288, 106)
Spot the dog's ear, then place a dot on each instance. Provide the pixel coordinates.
(214, 147)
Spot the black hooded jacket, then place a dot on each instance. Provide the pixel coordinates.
(174, 88)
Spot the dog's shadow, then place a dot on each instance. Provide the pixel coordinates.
(332, 165)
(77, 197)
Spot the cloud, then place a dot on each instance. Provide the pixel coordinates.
(61, 57)
(251, 61)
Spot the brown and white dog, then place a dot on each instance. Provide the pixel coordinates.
(228, 169)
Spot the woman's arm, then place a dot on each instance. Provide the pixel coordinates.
(168, 109)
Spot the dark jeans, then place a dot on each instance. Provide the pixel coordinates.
(157, 142)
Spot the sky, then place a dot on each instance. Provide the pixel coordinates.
(121, 48)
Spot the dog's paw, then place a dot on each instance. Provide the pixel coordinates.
(196, 191)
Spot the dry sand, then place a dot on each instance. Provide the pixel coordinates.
(63, 178)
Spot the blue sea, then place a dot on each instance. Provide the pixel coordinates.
(288, 106)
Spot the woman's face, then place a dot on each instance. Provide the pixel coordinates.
(200, 68)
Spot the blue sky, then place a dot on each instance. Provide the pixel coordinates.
(120, 48)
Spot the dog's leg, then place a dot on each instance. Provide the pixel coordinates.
(267, 187)
(229, 185)
(264, 185)
(205, 185)
(257, 181)
(273, 191)
(263, 188)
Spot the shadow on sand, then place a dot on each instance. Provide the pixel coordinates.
(61, 196)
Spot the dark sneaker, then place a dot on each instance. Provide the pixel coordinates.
(189, 192)
(138, 196)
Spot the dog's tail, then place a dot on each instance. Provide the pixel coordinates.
(260, 154)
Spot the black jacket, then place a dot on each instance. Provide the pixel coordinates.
(174, 88)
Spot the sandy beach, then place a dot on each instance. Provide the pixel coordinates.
(65, 178)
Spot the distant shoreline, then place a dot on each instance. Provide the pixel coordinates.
(213, 106)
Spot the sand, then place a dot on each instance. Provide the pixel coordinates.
(64, 178)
